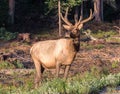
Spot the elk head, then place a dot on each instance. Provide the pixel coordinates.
(74, 29)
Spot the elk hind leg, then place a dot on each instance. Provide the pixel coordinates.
(39, 70)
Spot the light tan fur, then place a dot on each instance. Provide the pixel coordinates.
(52, 51)
(24, 37)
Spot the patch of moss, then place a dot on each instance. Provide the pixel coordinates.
(6, 65)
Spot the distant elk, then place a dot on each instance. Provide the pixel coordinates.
(23, 37)
(118, 29)
(51, 54)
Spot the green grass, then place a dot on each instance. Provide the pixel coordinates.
(6, 65)
(18, 64)
(79, 84)
(112, 39)
(90, 46)
(11, 65)
(104, 34)
(115, 64)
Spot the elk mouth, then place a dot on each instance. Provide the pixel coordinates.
(76, 44)
(75, 35)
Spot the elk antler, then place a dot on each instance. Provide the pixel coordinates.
(65, 17)
(117, 27)
(89, 18)
(78, 23)
(85, 20)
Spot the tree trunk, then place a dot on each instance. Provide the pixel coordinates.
(11, 11)
(102, 17)
(59, 11)
(98, 10)
(81, 11)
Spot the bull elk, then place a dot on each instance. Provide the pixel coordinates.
(54, 53)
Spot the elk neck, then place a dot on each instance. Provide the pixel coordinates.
(76, 42)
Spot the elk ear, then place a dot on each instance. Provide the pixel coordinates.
(67, 27)
(80, 26)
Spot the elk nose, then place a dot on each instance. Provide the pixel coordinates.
(67, 35)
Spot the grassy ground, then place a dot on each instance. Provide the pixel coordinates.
(89, 83)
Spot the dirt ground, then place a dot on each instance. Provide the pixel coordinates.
(106, 58)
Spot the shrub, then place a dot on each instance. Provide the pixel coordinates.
(6, 35)
(6, 65)
(18, 64)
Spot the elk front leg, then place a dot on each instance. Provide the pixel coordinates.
(57, 69)
(67, 68)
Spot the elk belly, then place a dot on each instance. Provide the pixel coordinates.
(49, 65)
(48, 61)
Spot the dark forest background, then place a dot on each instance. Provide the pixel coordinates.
(34, 15)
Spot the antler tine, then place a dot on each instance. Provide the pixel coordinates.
(66, 13)
(76, 18)
(80, 19)
(117, 27)
(65, 17)
(89, 18)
